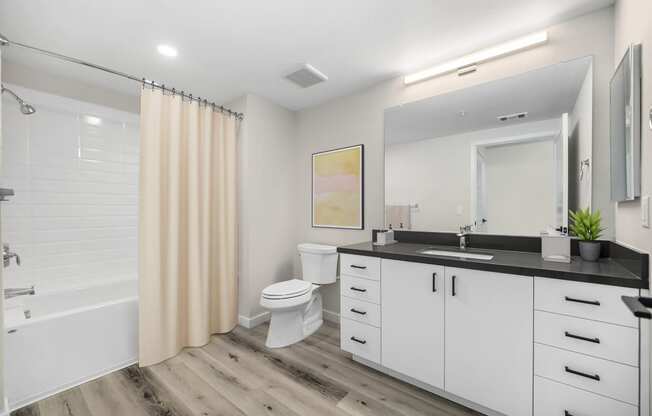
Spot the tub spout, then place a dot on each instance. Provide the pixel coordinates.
(24, 291)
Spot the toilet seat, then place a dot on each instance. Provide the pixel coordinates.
(287, 289)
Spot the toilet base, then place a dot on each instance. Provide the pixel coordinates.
(288, 327)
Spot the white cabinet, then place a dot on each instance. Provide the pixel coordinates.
(489, 330)
(516, 345)
(360, 306)
(413, 320)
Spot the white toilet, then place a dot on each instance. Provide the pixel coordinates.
(296, 305)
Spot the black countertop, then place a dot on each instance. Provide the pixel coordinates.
(605, 271)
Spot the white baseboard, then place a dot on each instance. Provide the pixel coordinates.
(331, 316)
(254, 321)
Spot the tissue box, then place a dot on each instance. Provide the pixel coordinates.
(384, 237)
(555, 248)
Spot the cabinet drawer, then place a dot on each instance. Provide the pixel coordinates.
(556, 399)
(361, 311)
(599, 339)
(360, 266)
(360, 339)
(357, 288)
(618, 381)
(584, 300)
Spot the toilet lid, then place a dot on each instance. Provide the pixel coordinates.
(287, 289)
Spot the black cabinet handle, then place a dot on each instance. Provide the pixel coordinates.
(567, 413)
(359, 341)
(594, 340)
(586, 302)
(434, 282)
(453, 285)
(357, 289)
(358, 312)
(581, 374)
(355, 266)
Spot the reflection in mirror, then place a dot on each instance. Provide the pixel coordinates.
(505, 157)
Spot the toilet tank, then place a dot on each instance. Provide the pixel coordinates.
(318, 263)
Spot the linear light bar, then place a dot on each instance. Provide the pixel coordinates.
(511, 46)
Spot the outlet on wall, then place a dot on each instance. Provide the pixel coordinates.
(645, 211)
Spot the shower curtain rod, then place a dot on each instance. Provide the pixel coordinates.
(4, 41)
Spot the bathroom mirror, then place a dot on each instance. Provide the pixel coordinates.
(625, 128)
(508, 157)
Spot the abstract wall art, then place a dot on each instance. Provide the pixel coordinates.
(338, 188)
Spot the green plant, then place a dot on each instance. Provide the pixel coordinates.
(586, 225)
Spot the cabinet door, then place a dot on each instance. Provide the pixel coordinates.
(413, 320)
(489, 336)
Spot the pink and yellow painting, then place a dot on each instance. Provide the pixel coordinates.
(337, 191)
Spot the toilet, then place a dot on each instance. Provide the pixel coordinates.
(296, 304)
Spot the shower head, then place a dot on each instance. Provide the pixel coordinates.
(25, 108)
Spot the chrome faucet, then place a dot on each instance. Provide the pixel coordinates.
(23, 291)
(7, 255)
(464, 230)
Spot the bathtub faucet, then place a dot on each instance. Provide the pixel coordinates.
(23, 291)
(7, 255)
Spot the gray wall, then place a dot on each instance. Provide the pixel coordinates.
(268, 213)
(358, 118)
(632, 25)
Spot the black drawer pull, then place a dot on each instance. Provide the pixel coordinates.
(567, 413)
(586, 302)
(594, 340)
(434, 282)
(359, 341)
(358, 312)
(453, 292)
(357, 289)
(355, 266)
(579, 373)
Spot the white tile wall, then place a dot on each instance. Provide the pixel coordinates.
(74, 217)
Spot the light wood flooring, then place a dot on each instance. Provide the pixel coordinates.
(236, 375)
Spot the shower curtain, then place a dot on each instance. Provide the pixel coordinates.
(187, 225)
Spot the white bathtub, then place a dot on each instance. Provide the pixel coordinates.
(70, 338)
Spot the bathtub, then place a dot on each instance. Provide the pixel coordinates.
(58, 340)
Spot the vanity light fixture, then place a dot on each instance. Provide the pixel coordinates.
(467, 63)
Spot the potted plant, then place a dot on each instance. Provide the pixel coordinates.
(586, 226)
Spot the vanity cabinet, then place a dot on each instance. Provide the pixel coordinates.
(360, 310)
(489, 328)
(500, 343)
(413, 320)
(586, 350)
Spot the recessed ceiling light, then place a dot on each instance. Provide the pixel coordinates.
(167, 50)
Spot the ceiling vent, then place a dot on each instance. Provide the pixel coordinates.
(508, 117)
(306, 76)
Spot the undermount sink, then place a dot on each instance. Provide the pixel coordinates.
(458, 254)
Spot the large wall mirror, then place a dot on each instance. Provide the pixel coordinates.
(509, 157)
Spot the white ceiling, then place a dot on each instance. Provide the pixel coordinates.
(544, 94)
(227, 48)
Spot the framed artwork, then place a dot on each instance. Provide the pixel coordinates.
(338, 188)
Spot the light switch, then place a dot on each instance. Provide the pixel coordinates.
(645, 211)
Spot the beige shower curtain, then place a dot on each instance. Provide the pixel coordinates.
(187, 225)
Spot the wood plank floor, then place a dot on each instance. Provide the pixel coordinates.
(236, 375)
